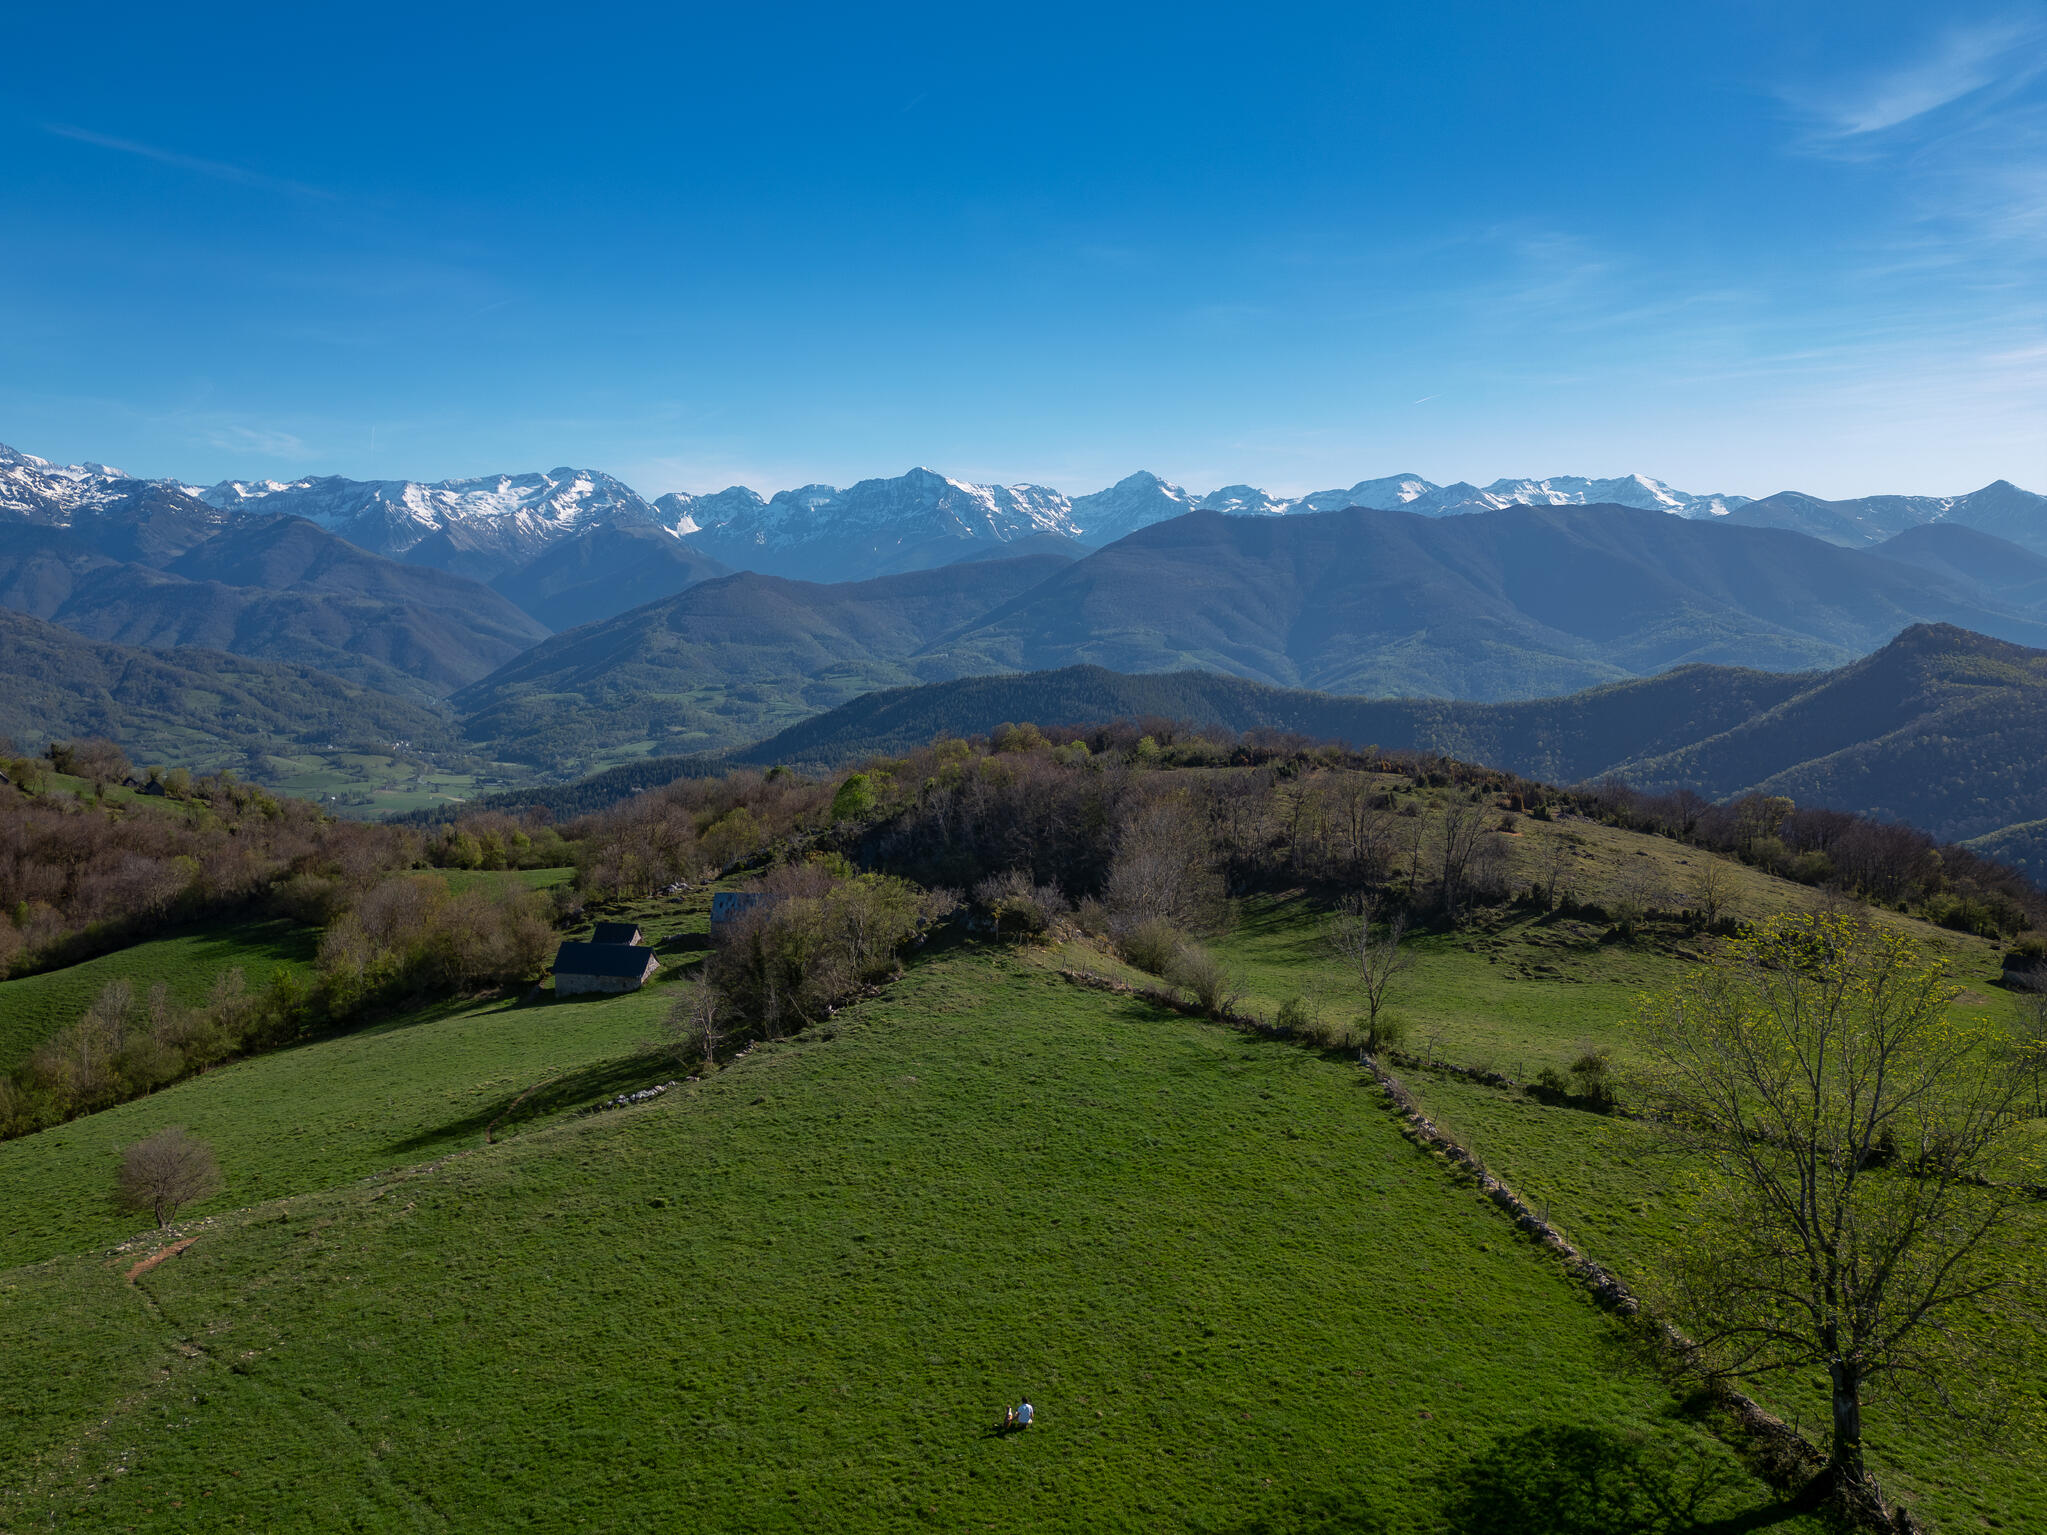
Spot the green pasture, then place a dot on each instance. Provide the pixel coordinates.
(532, 879)
(33, 1007)
(1621, 1198)
(797, 1296)
(385, 1095)
(1519, 991)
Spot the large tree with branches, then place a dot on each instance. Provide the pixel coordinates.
(1865, 1163)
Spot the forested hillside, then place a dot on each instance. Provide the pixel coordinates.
(272, 589)
(1942, 729)
(203, 709)
(1513, 604)
(730, 660)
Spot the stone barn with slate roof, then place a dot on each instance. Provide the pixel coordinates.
(728, 906)
(581, 967)
(616, 932)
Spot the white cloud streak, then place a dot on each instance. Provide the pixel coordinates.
(219, 170)
(1961, 63)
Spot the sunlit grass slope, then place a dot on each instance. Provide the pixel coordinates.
(33, 1007)
(797, 1295)
(427, 1082)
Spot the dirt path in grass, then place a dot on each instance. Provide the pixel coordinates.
(159, 1256)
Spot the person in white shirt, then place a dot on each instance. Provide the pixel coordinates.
(1023, 1414)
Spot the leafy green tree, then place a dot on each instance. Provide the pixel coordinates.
(855, 798)
(1862, 1154)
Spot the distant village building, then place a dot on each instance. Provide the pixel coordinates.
(616, 932)
(581, 967)
(728, 906)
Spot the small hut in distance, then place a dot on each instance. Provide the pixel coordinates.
(616, 932)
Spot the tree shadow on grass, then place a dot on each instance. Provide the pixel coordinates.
(521, 1106)
(1564, 1479)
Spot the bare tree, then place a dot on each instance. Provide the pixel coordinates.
(1373, 950)
(1712, 888)
(1411, 844)
(164, 1173)
(1365, 824)
(1162, 868)
(695, 1026)
(1862, 1158)
(1462, 823)
(1558, 853)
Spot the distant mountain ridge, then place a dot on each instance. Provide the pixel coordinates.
(139, 562)
(1940, 728)
(191, 707)
(481, 527)
(877, 527)
(502, 529)
(1999, 508)
(1521, 603)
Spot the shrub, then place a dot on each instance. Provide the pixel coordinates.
(1550, 1085)
(1295, 1016)
(2027, 952)
(1389, 1033)
(1019, 908)
(788, 965)
(1206, 979)
(1151, 945)
(1593, 1075)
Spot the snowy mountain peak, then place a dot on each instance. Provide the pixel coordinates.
(918, 518)
(481, 526)
(48, 492)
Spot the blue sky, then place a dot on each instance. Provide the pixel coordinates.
(1741, 247)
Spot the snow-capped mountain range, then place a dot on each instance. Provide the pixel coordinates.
(477, 527)
(487, 526)
(42, 491)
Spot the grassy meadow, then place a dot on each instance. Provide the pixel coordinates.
(797, 1295)
(33, 1007)
(401, 1090)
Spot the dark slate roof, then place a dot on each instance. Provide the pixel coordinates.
(602, 959)
(615, 932)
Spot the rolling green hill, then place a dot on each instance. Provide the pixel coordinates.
(444, 1287)
(798, 1296)
(729, 660)
(271, 588)
(193, 708)
(33, 1007)
(1516, 604)
(1941, 728)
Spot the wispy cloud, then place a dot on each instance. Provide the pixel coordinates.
(267, 442)
(1963, 62)
(1962, 127)
(219, 170)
